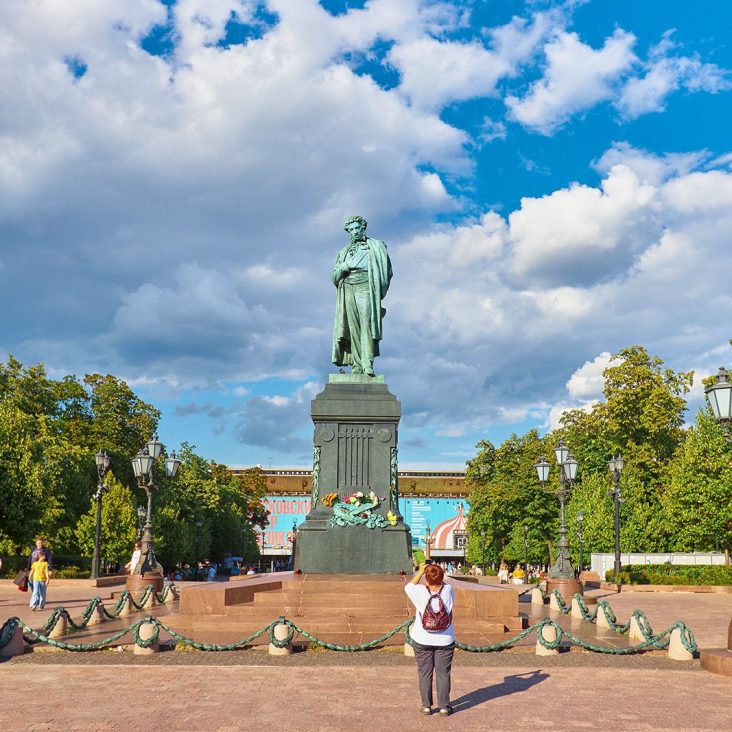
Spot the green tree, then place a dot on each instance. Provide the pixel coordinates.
(506, 494)
(119, 523)
(698, 498)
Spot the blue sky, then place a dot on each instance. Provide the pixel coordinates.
(552, 180)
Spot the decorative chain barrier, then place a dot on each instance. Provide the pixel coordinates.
(95, 602)
(603, 607)
(658, 642)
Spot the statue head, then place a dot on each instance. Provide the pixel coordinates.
(356, 227)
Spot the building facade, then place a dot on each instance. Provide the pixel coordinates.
(434, 502)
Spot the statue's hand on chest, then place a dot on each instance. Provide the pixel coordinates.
(356, 257)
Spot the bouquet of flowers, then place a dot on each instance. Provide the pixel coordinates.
(330, 499)
(360, 497)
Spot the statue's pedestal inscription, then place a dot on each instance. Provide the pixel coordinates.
(356, 419)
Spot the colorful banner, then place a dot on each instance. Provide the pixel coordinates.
(417, 512)
(435, 512)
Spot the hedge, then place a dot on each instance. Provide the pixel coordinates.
(673, 574)
(82, 565)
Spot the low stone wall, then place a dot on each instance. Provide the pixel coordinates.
(106, 581)
(667, 588)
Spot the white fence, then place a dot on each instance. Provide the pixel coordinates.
(600, 563)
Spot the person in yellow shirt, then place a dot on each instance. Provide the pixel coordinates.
(41, 577)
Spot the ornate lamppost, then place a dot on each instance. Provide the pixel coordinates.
(140, 521)
(719, 396)
(580, 519)
(616, 468)
(199, 524)
(292, 538)
(561, 573)
(102, 460)
(482, 550)
(526, 552)
(143, 465)
(428, 542)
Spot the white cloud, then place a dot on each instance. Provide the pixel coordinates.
(583, 234)
(474, 336)
(435, 73)
(665, 74)
(576, 78)
(587, 383)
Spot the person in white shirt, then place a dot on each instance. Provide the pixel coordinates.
(432, 649)
(135, 560)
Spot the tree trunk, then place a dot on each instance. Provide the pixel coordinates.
(726, 555)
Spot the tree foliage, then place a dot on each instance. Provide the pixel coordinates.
(676, 483)
(50, 431)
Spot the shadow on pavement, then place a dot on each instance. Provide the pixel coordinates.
(510, 685)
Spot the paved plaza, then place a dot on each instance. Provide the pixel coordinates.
(110, 690)
(531, 695)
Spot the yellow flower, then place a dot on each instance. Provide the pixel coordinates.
(391, 518)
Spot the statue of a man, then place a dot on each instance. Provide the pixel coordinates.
(361, 274)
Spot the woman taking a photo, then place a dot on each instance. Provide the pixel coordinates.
(432, 634)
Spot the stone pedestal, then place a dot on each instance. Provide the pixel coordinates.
(355, 423)
(137, 583)
(718, 660)
(568, 588)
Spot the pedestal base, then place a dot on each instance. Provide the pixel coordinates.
(716, 660)
(354, 550)
(136, 583)
(568, 588)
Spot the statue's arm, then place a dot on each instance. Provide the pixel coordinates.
(340, 269)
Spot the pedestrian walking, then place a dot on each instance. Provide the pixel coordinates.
(35, 554)
(432, 634)
(40, 575)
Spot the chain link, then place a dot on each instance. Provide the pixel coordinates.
(658, 642)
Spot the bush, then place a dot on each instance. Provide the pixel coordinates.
(490, 572)
(673, 574)
(71, 572)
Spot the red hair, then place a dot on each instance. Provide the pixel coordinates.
(434, 574)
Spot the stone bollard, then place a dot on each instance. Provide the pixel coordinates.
(146, 631)
(409, 650)
(550, 634)
(15, 646)
(97, 616)
(537, 598)
(676, 649)
(635, 633)
(61, 627)
(172, 596)
(150, 602)
(576, 610)
(280, 632)
(602, 622)
(126, 609)
(554, 603)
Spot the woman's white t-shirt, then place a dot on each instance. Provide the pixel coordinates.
(419, 595)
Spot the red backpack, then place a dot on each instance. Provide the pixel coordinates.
(434, 621)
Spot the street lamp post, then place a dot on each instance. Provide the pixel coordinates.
(561, 572)
(102, 460)
(199, 524)
(526, 552)
(143, 465)
(616, 467)
(140, 521)
(580, 519)
(719, 395)
(482, 550)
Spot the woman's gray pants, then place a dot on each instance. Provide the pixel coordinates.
(435, 660)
